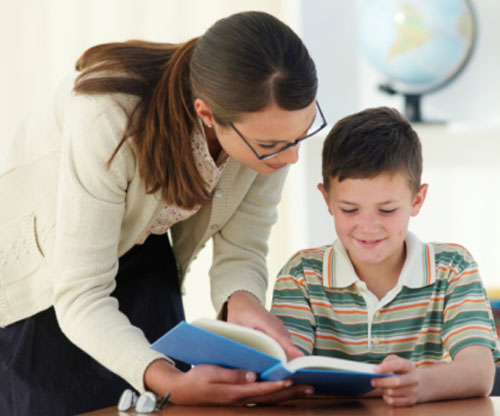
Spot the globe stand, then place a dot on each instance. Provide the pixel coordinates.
(412, 108)
(411, 103)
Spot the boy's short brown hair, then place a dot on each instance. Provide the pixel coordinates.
(371, 142)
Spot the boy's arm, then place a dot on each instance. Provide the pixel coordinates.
(468, 335)
(470, 374)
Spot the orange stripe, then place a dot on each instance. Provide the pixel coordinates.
(466, 329)
(340, 340)
(302, 337)
(350, 312)
(461, 303)
(473, 271)
(458, 245)
(302, 308)
(283, 278)
(394, 341)
(296, 255)
(430, 331)
(429, 274)
(293, 279)
(330, 283)
(312, 250)
(398, 308)
(425, 363)
(447, 269)
(325, 304)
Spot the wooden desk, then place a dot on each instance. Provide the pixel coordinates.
(312, 407)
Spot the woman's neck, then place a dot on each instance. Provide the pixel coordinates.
(214, 146)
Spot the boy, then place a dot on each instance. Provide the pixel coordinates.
(378, 294)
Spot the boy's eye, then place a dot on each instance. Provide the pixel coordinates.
(348, 211)
(388, 211)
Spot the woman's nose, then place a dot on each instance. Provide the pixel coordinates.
(291, 155)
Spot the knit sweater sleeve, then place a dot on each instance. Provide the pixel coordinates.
(90, 208)
(241, 245)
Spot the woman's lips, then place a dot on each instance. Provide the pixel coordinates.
(276, 166)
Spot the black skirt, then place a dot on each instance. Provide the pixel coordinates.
(43, 373)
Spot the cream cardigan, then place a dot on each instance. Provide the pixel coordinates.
(65, 219)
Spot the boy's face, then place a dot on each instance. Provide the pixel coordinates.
(371, 215)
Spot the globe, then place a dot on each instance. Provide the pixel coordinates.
(419, 45)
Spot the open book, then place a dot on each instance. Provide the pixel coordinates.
(209, 341)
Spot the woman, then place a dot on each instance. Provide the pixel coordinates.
(192, 138)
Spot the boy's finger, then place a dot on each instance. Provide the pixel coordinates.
(291, 350)
(394, 364)
(386, 382)
(400, 401)
(406, 391)
(396, 382)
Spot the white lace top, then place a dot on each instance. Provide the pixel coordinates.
(210, 172)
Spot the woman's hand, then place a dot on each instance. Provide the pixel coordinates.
(245, 309)
(209, 384)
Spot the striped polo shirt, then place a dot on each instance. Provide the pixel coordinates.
(437, 307)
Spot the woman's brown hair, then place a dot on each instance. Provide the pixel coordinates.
(241, 64)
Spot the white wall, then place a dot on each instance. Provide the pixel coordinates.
(42, 39)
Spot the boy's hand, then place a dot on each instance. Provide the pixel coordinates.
(400, 390)
(245, 309)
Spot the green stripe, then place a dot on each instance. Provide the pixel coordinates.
(426, 323)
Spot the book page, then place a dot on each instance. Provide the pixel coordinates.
(248, 336)
(329, 363)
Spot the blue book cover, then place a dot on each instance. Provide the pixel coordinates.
(207, 341)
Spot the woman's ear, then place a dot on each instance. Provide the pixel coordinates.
(418, 199)
(204, 112)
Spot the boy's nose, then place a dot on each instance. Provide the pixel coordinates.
(368, 223)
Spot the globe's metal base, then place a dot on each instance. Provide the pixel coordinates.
(412, 107)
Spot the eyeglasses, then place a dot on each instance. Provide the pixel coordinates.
(318, 124)
(145, 403)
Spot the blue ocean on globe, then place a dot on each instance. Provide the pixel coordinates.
(417, 43)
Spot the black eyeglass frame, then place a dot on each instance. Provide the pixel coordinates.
(287, 146)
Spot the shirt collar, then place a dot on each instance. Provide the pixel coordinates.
(418, 270)
(202, 155)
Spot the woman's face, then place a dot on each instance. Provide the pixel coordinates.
(266, 131)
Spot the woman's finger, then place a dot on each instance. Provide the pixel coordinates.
(247, 393)
(294, 392)
(216, 374)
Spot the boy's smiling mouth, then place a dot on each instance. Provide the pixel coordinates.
(369, 243)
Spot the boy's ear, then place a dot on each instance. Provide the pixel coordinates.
(204, 112)
(323, 191)
(418, 199)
